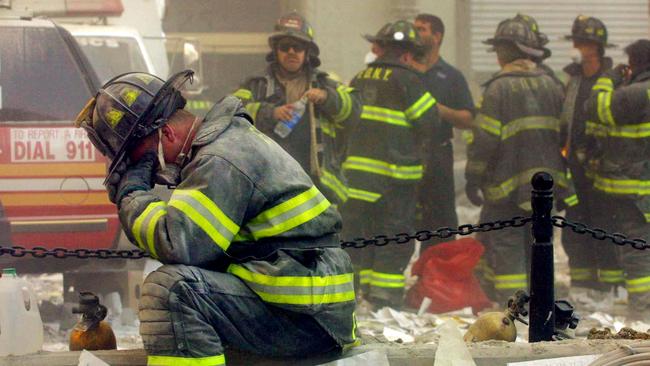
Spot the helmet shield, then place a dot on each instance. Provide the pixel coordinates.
(519, 33)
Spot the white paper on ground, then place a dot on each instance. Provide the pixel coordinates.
(452, 350)
(88, 359)
(560, 361)
(374, 358)
(394, 335)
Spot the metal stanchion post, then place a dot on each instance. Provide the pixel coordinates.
(542, 292)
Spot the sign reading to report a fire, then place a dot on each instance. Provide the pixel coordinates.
(37, 145)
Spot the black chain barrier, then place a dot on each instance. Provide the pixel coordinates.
(379, 240)
(599, 234)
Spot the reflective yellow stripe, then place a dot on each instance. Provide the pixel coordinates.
(243, 94)
(385, 115)
(206, 215)
(595, 129)
(489, 124)
(417, 109)
(622, 186)
(364, 276)
(360, 194)
(387, 280)
(504, 189)
(346, 104)
(383, 168)
(636, 131)
(515, 126)
(289, 214)
(571, 200)
(511, 281)
(186, 361)
(253, 108)
(604, 84)
(611, 276)
(330, 181)
(647, 217)
(604, 108)
(144, 226)
(297, 290)
(637, 285)
(581, 274)
(328, 128)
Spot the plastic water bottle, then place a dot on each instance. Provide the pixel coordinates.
(284, 128)
(21, 328)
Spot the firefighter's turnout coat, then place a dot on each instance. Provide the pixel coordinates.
(244, 207)
(516, 134)
(261, 94)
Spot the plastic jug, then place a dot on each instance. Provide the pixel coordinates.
(21, 328)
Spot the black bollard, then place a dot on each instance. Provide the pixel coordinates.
(542, 292)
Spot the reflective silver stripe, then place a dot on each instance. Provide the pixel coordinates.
(144, 226)
(287, 215)
(297, 290)
(206, 214)
(515, 126)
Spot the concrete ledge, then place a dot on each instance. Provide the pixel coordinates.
(494, 353)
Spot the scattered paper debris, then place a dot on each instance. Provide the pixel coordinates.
(375, 358)
(452, 350)
(88, 359)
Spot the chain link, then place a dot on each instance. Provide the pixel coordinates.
(442, 233)
(379, 240)
(599, 234)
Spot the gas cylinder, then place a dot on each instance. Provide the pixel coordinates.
(91, 331)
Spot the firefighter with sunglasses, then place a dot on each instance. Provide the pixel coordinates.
(301, 108)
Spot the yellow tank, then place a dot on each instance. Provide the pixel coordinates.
(492, 326)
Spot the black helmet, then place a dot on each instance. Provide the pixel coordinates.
(382, 35)
(542, 38)
(129, 107)
(589, 29)
(294, 25)
(401, 32)
(518, 33)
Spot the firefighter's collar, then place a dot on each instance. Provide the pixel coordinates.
(217, 120)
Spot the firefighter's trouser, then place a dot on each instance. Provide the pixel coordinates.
(506, 256)
(380, 269)
(437, 195)
(188, 315)
(623, 216)
(591, 264)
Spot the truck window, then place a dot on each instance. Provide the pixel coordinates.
(111, 56)
(39, 79)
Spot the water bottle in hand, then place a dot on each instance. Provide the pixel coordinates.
(284, 128)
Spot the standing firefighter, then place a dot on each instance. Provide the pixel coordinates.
(250, 245)
(516, 134)
(384, 162)
(317, 141)
(620, 107)
(594, 269)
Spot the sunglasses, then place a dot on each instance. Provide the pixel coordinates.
(284, 46)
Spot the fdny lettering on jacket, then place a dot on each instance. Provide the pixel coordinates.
(376, 73)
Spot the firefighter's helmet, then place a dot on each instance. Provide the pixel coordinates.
(399, 32)
(542, 38)
(294, 25)
(382, 34)
(519, 33)
(129, 107)
(589, 29)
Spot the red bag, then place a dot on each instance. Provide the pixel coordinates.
(446, 276)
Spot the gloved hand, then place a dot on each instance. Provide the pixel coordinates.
(473, 192)
(137, 177)
(618, 74)
(114, 179)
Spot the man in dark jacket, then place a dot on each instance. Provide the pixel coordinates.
(384, 164)
(594, 269)
(250, 246)
(317, 141)
(516, 134)
(620, 108)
